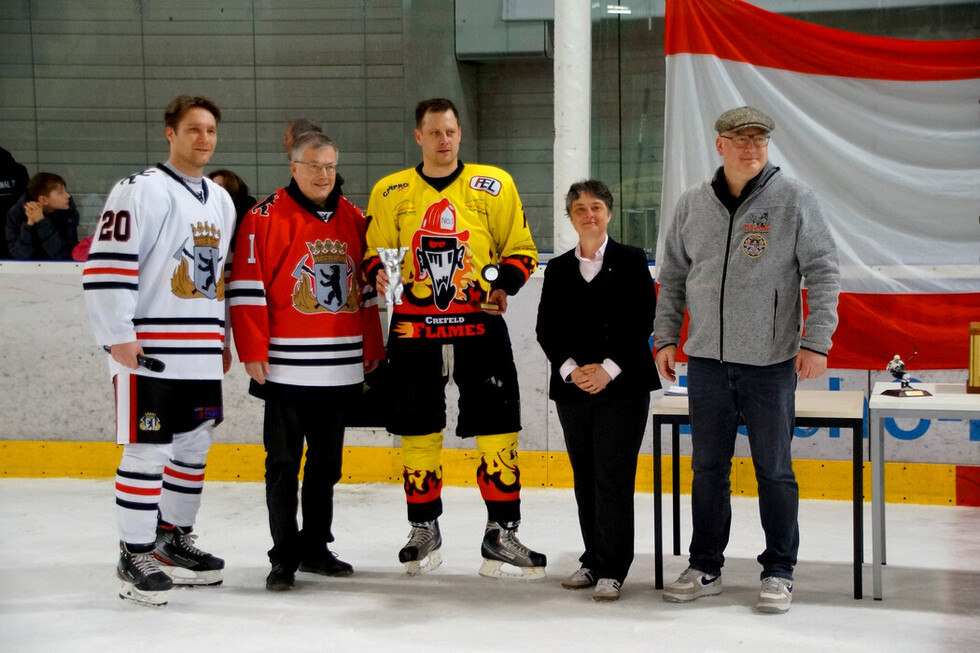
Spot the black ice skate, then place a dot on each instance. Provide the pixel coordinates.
(421, 554)
(142, 580)
(182, 561)
(501, 546)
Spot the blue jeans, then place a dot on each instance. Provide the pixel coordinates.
(764, 398)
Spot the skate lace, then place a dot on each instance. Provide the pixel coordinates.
(420, 535)
(145, 563)
(508, 539)
(186, 543)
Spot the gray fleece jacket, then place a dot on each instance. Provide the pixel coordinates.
(740, 275)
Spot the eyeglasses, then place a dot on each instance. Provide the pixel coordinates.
(742, 141)
(317, 168)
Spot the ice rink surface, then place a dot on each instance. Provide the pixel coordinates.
(58, 590)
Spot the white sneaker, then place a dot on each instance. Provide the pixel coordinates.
(579, 580)
(775, 596)
(607, 589)
(692, 584)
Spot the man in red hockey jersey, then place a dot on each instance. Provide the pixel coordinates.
(308, 330)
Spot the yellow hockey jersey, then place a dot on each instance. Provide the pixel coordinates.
(453, 235)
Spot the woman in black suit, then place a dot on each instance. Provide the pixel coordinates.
(594, 324)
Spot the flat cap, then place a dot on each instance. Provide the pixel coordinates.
(734, 120)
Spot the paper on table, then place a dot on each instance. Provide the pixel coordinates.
(676, 390)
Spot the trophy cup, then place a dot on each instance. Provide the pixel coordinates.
(489, 273)
(391, 258)
(896, 367)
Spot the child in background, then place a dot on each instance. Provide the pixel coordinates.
(43, 224)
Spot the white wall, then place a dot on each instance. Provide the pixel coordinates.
(54, 383)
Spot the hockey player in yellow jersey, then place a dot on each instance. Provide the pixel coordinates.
(468, 247)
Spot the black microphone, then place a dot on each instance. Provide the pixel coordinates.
(152, 364)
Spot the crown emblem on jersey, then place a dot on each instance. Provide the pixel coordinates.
(328, 251)
(206, 235)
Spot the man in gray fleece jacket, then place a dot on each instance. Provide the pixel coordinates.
(735, 256)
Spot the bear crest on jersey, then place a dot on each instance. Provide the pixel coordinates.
(207, 280)
(331, 276)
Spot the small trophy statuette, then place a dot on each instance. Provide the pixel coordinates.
(489, 273)
(391, 258)
(896, 366)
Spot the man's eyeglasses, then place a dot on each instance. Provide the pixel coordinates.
(741, 140)
(317, 168)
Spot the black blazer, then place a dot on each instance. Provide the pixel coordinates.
(609, 317)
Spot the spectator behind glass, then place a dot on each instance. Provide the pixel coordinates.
(43, 224)
(238, 190)
(13, 184)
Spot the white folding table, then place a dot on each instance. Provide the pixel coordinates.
(948, 400)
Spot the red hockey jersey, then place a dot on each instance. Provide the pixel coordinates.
(296, 295)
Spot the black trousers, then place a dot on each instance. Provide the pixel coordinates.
(484, 372)
(287, 424)
(603, 437)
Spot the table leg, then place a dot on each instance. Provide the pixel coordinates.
(877, 433)
(675, 469)
(857, 432)
(658, 543)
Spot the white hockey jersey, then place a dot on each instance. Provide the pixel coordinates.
(155, 272)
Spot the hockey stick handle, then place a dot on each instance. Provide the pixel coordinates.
(152, 364)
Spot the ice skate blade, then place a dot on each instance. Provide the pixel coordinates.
(184, 577)
(495, 569)
(128, 592)
(424, 566)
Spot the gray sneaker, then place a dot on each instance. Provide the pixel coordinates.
(775, 596)
(607, 589)
(692, 584)
(579, 580)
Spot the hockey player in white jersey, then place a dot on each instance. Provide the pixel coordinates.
(154, 287)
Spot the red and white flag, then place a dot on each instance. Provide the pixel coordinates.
(886, 131)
